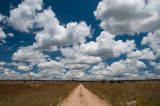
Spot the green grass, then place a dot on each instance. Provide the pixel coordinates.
(144, 93)
(34, 94)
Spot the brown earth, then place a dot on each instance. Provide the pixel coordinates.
(81, 96)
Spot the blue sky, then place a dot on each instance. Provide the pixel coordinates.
(85, 39)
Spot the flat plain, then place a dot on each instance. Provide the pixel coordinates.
(53, 93)
(18, 93)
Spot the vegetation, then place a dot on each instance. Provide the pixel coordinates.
(118, 94)
(24, 93)
(34, 94)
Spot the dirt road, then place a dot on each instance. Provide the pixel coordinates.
(81, 96)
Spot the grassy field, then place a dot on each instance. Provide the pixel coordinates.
(34, 94)
(19, 93)
(118, 94)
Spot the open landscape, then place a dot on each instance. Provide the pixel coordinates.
(18, 93)
(57, 93)
(127, 93)
(79, 52)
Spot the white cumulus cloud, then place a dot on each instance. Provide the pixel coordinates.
(128, 16)
(22, 17)
(152, 40)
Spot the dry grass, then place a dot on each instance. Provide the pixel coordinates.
(144, 93)
(30, 94)
(51, 94)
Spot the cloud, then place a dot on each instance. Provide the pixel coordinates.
(7, 73)
(27, 57)
(75, 74)
(128, 16)
(156, 66)
(59, 35)
(22, 17)
(2, 17)
(72, 55)
(106, 46)
(47, 28)
(51, 65)
(77, 66)
(152, 40)
(77, 57)
(28, 54)
(24, 68)
(49, 32)
(2, 35)
(51, 70)
(123, 69)
(142, 54)
(10, 35)
(2, 63)
(49, 35)
(128, 65)
(20, 66)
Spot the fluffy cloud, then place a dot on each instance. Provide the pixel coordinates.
(128, 65)
(54, 34)
(79, 58)
(2, 63)
(2, 35)
(21, 66)
(88, 59)
(106, 46)
(7, 73)
(27, 57)
(10, 35)
(142, 54)
(2, 17)
(52, 65)
(82, 59)
(156, 66)
(152, 40)
(22, 17)
(128, 16)
(24, 68)
(93, 53)
(77, 66)
(123, 69)
(75, 74)
(28, 54)
(51, 70)
(72, 55)
(50, 32)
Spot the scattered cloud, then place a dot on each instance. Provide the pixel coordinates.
(142, 54)
(22, 17)
(106, 46)
(28, 54)
(123, 69)
(59, 35)
(152, 40)
(10, 35)
(2, 35)
(81, 55)
(128, 16)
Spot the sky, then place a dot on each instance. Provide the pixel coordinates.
(81, 40)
